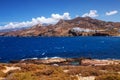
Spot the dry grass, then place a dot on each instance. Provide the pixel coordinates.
(2, 67)
(48, 72)
(41, 72)
(115, 68)
(2, 74)
(83, 70)
(22, 76)
(108, 77)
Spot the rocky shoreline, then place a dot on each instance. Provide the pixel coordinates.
(61, 69)
(69, 61)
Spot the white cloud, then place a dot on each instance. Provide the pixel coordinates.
(39, 20)
(92, 13)
(111, 13)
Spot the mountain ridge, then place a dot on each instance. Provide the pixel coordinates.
(80, 26)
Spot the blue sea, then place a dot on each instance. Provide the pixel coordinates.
(17, 48)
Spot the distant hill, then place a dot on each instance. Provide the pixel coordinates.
(76, 27)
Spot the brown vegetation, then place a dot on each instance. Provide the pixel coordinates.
(115, 68)
(2, 74)
(30, 71)
(2, 67)
(83, 71)
(108, 77)
(38, 72)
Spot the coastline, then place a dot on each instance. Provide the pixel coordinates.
(58, 68)
(68, 61)
(67, 68)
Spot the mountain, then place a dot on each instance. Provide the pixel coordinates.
(76, 27)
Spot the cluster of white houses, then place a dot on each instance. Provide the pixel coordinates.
(78, 29)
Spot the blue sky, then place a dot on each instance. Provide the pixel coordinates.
(17, 11)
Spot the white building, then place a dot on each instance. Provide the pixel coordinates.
(77, 29)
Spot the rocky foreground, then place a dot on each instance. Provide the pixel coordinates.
(61, 69)
(76, 27)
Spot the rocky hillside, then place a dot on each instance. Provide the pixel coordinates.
(76, 27)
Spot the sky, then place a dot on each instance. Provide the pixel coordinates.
(25, 13)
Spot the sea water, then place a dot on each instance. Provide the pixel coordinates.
(17, 48)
